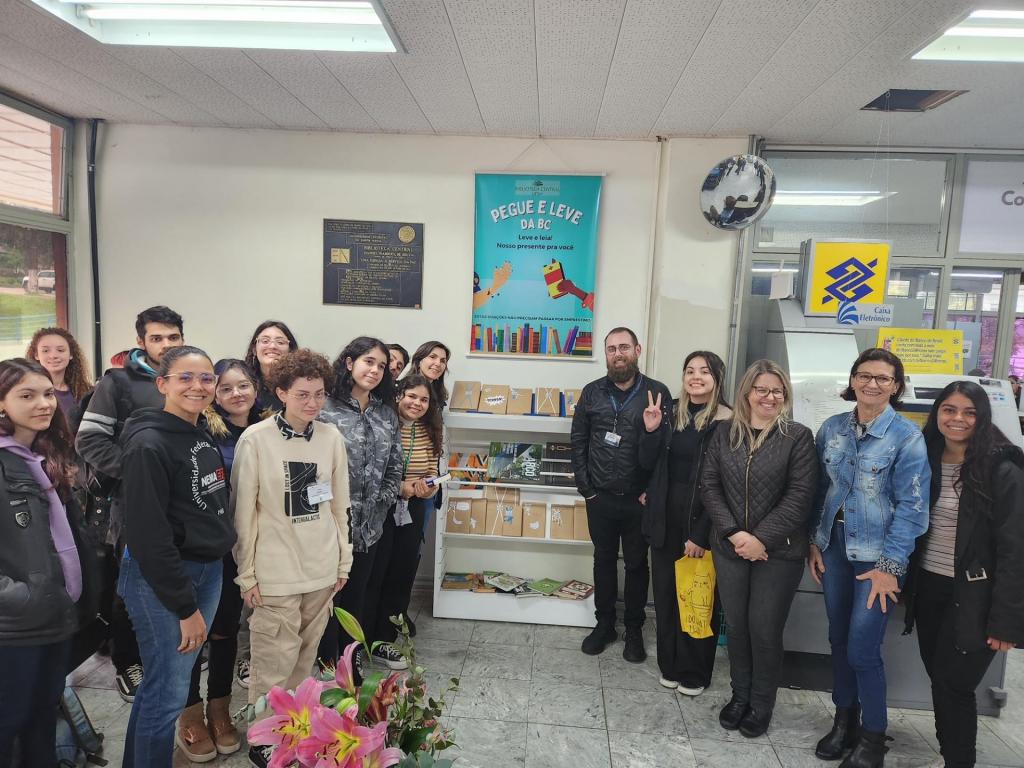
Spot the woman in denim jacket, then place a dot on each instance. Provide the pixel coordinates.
(872, 505)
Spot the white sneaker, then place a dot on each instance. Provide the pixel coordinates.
(664, 681)
(697, 691)
(242, 672)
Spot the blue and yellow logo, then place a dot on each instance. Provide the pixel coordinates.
(840, 271)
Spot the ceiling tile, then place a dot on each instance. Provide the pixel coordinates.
(375, 84)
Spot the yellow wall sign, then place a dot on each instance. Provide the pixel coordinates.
(838, 271)
(925, 351)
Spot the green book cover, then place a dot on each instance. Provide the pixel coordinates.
(545, 586)
(515, 463)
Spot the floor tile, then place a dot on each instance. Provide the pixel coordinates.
(557, 703)
(791, 757)
(700, 714)
(560, 637)
(441, 656)
(567, 666)
(512, 662)
(104, 707)
(616, 672)
(492, 699)
(650, 750)
(558, 746)
(746, 753)
(799, 696)
(1009, 733)
(429, 628)
(642, 712)
(508, 633)
(798, 725)
(995, 745)
(487, 744)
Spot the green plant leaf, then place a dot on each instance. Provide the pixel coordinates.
(415, 738)
(332, 697)
(367, 690)
(351, 625)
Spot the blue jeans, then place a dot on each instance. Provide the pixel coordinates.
(855, 634)
(149, 741)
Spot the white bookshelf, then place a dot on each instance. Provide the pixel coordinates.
(541, 557)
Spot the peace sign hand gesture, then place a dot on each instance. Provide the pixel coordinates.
(652, 413)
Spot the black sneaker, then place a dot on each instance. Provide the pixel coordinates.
(599, 639)
(128, 682)
(388, 655)
(634, 650)
(412, 626)
(242, 673)
(259, 757)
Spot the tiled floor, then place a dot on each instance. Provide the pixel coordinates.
(530, 699)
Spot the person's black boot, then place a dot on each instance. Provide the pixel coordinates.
(755, 722)
(843, 735)
(634, 650)
(732, 713)
(868, 753)
(599, 639)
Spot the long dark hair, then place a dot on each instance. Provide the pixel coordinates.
(355, 349)
(882, 356)
(234, 364)
(250, 352)
(55, 443)
(77, 375)
(438, 391)
(986, 448)
(432, 418)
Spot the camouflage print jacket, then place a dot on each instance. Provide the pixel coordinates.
(374, 449)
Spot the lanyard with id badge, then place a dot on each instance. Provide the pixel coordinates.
(402, 515)
(613, 438)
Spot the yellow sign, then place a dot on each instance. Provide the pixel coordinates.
(839, 271)
(925, 351)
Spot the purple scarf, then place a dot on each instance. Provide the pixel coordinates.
(60, 528)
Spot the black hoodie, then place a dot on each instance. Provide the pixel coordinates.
(175, 498)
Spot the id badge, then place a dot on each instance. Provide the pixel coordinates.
(612, 439)
(318, 493)
(402, 516)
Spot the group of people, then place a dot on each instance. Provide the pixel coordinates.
(879, 510)
(278, 485)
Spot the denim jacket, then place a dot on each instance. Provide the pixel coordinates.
(881, 482)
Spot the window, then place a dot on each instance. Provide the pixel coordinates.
(32, 152)
(974, 309)
(32, 285)
(912, 292)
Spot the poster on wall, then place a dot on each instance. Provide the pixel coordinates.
(373, 263)
(535, 264)
(993, 218)
(925, 350)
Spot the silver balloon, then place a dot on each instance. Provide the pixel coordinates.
(737, 192)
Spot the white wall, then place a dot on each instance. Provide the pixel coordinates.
(225, 226)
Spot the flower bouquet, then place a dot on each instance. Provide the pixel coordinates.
(337, 723)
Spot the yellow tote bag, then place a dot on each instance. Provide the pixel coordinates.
(695, 589)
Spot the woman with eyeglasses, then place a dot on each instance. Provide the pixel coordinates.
(964, 590)
(871, 505)
(362, 406)
(759, 479)
(201, 738)
(178, 530)
(271, 341)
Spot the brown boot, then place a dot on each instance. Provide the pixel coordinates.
(192, 736)
(225, 735)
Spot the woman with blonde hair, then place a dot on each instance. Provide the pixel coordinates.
(58, 352)
(759, 480)
(674, 520)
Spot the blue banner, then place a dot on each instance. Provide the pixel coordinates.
(535, 264)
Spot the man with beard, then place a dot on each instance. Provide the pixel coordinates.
(610, 415)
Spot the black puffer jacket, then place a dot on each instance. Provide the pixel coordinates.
(598, 465)
(768, 494)
(989, 538)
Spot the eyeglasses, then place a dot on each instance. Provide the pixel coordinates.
(866, 378)
(187, 377)
(270, 341)
(622, 349)
(226, 390)
(304, 397)
(766, 391)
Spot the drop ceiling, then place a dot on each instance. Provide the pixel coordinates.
(794, 71)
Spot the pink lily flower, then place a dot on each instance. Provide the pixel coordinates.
(291, 723)
(385, 758)
(383, 698)
(343, 675)
(338, 741)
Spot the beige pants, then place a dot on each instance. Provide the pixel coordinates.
(284, 635)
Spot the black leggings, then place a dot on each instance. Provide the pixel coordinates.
(352, 598)
(222, 641)
(394, 571)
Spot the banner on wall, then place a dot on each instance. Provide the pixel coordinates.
(993, 217)
(535, 264)
(373, 263)
(838, 272)
(925, 350)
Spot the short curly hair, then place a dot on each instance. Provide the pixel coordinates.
(300, 364)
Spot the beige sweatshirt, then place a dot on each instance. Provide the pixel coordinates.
(286, 544)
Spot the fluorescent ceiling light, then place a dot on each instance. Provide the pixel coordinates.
(773, 270)
(985, 35)
(310, 25)
(831, 197)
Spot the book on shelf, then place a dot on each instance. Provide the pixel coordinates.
(515, 463)
(556, 465)
(575, 590)
(504, 582)
(460, 581)
(524, 590)
(545, 586)
(466, 467)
